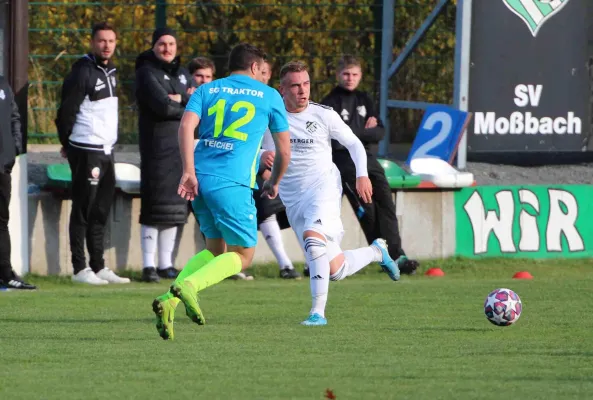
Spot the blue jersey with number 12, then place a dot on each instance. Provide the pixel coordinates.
(234, 114)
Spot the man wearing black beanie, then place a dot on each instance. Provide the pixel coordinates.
(163, 88)
(159, 32)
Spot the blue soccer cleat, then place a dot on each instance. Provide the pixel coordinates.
(314, 320)
(387, 262)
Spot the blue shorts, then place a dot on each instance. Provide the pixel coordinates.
(226, 210)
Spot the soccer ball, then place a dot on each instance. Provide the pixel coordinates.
(503, 307)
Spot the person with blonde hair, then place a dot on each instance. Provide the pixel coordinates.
(312, 191)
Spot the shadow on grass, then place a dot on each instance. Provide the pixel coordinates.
(73, 339)
(515, 353)
(76, 321)
(505, 378)
(438, 329)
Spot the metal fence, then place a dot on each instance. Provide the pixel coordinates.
(317, 31)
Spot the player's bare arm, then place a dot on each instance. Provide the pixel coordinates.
(364, 188)
(188, 185)
(267, 158)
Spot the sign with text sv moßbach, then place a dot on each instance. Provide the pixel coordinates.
(529, 80)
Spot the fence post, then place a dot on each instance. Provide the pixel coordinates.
(160, 14)
(378, 25)
(386, 60)
(18, 56)
(461, 77)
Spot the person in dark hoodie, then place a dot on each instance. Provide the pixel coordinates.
(87, 123)
(10, 147)
(163, 88)
(377, 219)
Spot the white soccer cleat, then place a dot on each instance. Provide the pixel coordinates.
(109, 276)
(88, 276)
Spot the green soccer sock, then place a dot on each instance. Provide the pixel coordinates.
(193, 265)
(221, 267)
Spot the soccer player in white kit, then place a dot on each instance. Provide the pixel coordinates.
(311, 190)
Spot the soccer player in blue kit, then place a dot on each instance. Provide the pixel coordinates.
(232, 115)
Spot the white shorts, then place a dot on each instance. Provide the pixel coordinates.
(319, 210)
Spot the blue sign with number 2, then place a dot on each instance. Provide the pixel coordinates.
(439, 134)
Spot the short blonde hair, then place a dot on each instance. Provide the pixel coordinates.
(293, 66)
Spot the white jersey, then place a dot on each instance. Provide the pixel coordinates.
(311, 165)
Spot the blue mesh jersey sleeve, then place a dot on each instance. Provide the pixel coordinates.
(278, 117)
(195, 102)
(235, 113)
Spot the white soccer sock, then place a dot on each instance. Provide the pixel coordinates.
(355, 260)
(167, 235)
(149, 237)
(315, 251)
(271, 232)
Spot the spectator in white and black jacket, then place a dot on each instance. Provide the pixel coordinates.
(10, 147)
(87, 123)
(163, 88)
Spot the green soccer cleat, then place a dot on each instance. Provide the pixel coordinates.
(187, 294)
(165, 312)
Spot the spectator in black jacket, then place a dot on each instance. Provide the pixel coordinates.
(377, 219)
(163, 88)
(10, 147)
(87, 124)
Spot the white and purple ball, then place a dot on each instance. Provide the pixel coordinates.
(503, 307)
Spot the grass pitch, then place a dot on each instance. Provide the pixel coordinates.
(420, 338)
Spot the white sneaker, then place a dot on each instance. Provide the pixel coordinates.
(109, 276)
(243, 276)
(88, 276)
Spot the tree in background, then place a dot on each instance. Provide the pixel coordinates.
(318, 32)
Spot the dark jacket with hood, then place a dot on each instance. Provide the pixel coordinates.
(10, 128)
(158, 120)
(355, 108)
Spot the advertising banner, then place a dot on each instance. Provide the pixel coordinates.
(525, 221)
(529, 83)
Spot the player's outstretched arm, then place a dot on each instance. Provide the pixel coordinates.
(188, 186)
(341, 132)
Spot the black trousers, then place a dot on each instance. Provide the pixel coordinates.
(6, 272)
(93, 188)
(378, 219)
